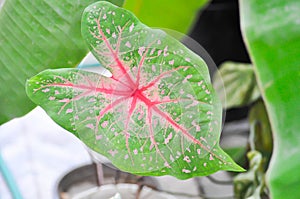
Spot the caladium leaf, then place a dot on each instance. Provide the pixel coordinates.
(157, 114)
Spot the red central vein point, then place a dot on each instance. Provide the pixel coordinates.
(152, 105)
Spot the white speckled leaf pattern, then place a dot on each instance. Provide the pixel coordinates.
(156, 115)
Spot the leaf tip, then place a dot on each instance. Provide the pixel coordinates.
(236, 168)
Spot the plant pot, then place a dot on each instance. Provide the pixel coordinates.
(124, 191)
(82, 183)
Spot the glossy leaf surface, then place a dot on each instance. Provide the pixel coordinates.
(271, 30)
(36, 35)
(156, 115)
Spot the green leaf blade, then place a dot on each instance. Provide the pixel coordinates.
(42, 91)
(271, 32)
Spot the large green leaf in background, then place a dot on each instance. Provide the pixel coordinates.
(172, 14)
(272, 33)
(35, 35)
(239, 83)
(156, 115)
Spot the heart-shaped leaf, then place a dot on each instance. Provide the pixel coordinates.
(156, 115)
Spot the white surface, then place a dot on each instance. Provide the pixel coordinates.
(38, 152)
(1, 3)
(91, 64)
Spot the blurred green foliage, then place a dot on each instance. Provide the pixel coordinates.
(272, 33)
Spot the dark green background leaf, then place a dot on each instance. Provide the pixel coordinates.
(36, 35)
(260, 131)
